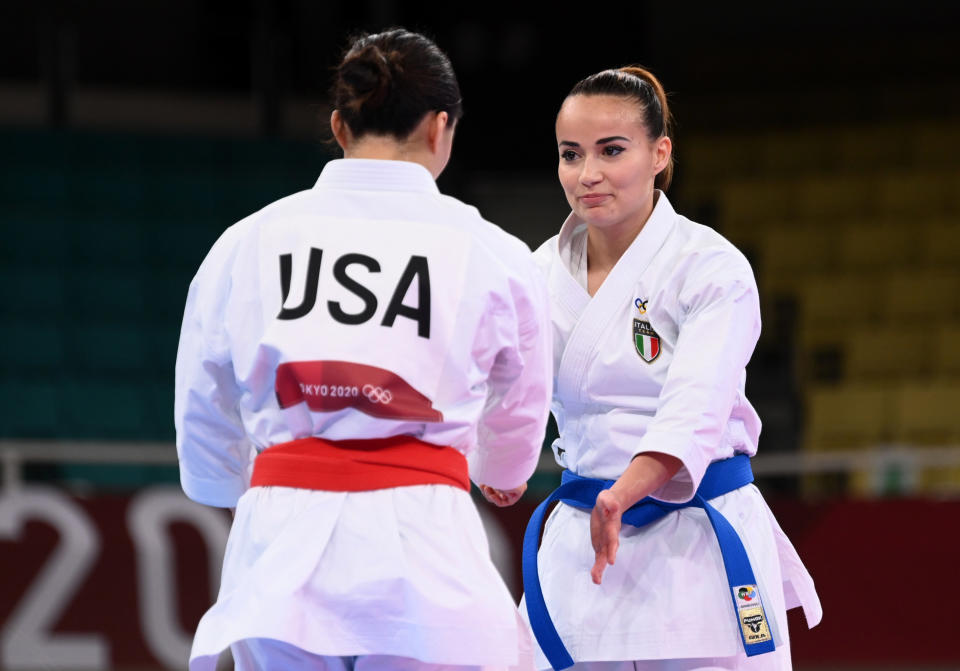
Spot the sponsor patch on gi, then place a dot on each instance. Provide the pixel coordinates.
(753, 621)
(746, 594)
(646, 340)
(754, 625)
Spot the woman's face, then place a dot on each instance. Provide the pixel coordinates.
(607, 162)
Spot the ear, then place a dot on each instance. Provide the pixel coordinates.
(340, 130)
(435, 128)
(663, 149)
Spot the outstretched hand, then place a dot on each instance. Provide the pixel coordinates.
(503, 497)
(605, 532)
(647, 472)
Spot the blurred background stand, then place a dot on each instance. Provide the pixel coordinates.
(822, 139)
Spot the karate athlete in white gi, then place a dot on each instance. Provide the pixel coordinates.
(654, 320)
(346, 352)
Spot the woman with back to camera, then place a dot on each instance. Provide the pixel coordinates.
(655, 318)
(346, 352)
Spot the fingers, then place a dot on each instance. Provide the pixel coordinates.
(495, 496)
(491, 495)
(611, 537)
(613, 541)
(513, 495)
(503, 497)
(605, 549)
(596, 573)
(604, 534)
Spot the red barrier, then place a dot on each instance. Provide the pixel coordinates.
(121, 581)
(887, 576)
(104, 582)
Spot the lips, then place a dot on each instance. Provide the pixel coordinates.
(594, 198)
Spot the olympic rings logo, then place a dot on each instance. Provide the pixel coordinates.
(377, 394)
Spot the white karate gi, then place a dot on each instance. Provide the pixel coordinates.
(403, 571)
(667, 596)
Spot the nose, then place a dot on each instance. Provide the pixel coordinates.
(590, 173)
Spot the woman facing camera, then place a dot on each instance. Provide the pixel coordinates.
(351, 356)
(654, 320)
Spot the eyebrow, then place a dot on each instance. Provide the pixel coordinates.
(603, 140)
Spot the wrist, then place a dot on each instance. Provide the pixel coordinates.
(621, 494)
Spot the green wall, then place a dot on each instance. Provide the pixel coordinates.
(100, 235)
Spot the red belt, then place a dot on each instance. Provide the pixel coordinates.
(359, 465)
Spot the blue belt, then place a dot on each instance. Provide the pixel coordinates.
(721, 477)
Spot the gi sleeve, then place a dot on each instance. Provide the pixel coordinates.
(212, 446)
(511, 429)
(719, 329)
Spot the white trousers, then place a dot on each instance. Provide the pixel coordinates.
(264, 654)
(404, 572)
(778, 660)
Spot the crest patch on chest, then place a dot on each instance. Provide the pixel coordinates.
(646, 340)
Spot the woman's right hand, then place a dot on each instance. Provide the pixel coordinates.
(503, 497)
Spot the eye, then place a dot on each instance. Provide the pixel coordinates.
(612, 150)
(568, 155)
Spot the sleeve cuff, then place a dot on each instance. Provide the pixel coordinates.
(683, 485)
(219, 493)
(509, 476)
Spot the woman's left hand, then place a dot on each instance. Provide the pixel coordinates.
(605, 532)
(646, 473)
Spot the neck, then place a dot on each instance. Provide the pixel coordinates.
(605, 245)
(386, 149)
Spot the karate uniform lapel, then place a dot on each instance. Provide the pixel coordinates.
(567, 293)
(597, 313)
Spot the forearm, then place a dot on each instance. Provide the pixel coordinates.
(646, 473)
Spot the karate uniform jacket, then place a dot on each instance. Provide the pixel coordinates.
(655, 362)
(293, 323)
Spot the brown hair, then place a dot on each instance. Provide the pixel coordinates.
(640, 85)
(388, 81)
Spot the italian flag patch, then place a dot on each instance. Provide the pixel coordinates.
(646, 340)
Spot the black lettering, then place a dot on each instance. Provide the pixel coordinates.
(286, 270)
(310, 288)
(416, 268)
(367, 296)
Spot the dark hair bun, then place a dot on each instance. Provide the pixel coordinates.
(367, 74)
(389, 81)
